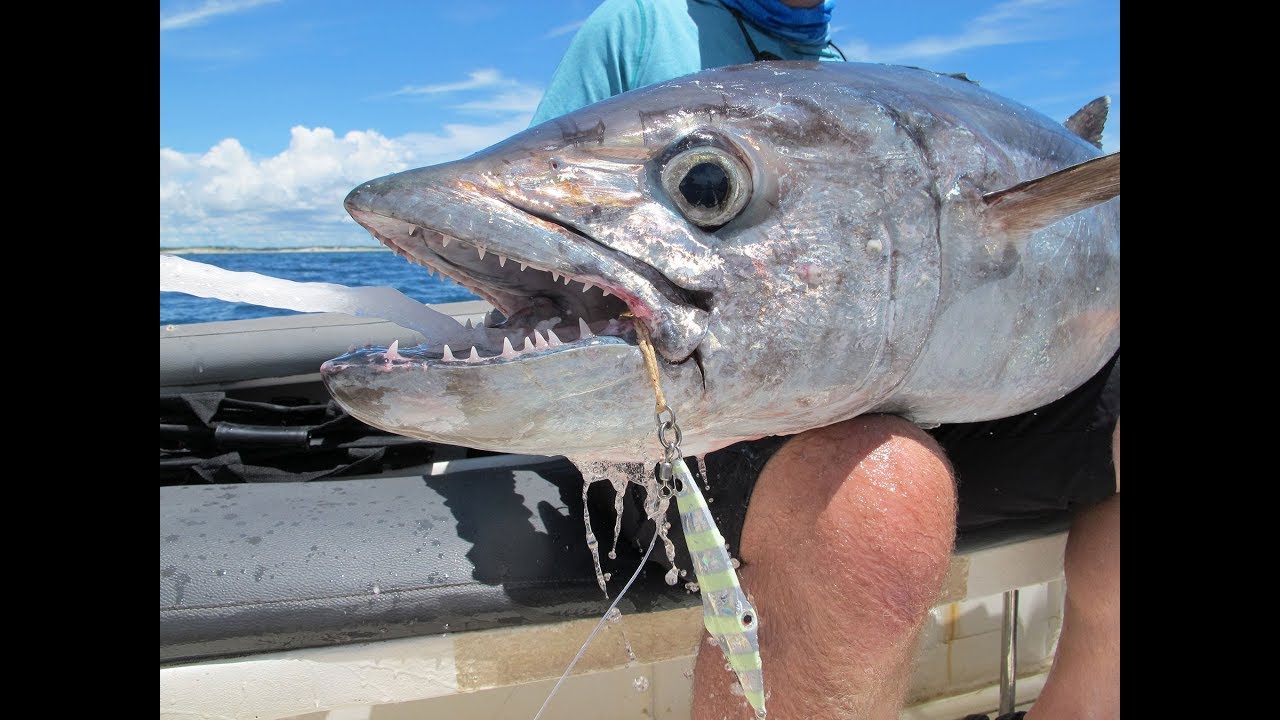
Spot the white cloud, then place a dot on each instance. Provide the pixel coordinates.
(484, 78)
(521, 99)
(506, 95)
(227, 197)
(1015, 21)
(460, 140)
(563, 29)
(210, 9)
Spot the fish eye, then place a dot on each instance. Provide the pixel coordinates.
(709, 185)
(746, 619)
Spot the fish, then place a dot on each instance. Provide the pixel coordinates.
(803, 243)
(766, 249)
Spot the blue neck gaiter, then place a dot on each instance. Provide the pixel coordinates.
(803, 25)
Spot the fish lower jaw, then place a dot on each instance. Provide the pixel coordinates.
(485, 346)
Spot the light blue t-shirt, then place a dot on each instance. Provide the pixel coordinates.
(627, 44)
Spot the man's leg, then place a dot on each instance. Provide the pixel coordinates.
(1084, 682)
(845, 548)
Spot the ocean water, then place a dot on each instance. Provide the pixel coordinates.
(345, 268)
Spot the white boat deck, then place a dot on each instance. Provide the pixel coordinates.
(640, 667)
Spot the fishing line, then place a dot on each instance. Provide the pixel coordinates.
(600, 624)
(650, 362)
(651, 365)
(730, 623)
(730, 617)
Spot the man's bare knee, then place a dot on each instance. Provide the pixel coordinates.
(870, 498)
(846, 544)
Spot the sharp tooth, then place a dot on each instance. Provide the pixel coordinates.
(606, 292)
(507, 350)
(539, 342)
(522, 267)
(552, 340)
(445, 240)
(448, 355)
(468, 325)
(587, 286)
(393, 352)
(480, 249)
(475, 356)
(528, 344)
(555, 277)
(583, 330)
(612, 328)
(414, 232)
(502, 261)
(566, 281)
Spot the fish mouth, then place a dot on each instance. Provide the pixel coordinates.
(553, 289)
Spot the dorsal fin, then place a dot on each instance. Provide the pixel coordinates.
(1087, 122)
(1028, 206)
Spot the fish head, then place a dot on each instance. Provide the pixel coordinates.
(746, 229)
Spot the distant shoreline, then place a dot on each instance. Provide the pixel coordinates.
(211, 250)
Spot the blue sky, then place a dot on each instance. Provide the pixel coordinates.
(271, 110)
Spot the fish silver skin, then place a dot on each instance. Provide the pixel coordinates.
(804, 242)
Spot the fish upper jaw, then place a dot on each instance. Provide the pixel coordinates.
(545, 277)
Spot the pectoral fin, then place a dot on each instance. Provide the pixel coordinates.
(1028, 206)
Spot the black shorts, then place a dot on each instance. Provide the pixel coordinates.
(1039, 464)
